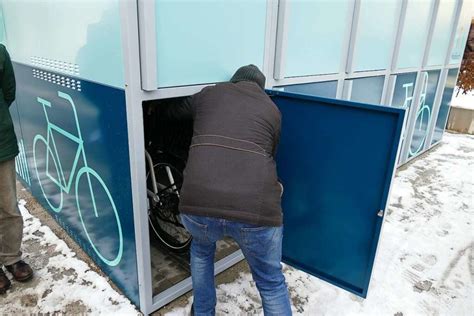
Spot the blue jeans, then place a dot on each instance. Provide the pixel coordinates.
(261, 246)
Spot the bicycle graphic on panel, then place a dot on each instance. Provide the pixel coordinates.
(58, 178)
(423, 114)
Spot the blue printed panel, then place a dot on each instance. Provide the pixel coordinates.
(424, 111)
(403, 91)
(403, 95)
(21, 164)
(336, 183)
(444, 106)
(76, 143)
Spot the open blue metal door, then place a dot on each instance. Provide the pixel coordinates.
(336, 160)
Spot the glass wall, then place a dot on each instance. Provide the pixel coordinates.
(326, 89)
(462, 32)
(315, 36)
(444, 106)
(366, 90)
(442, 32)
(415, 32)
(206, 41)
(320, 40)
(429, 82)
(376, 34)
(90, 48)
(2, 28)
(403, 90)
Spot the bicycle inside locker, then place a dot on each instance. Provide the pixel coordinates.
(167, 143)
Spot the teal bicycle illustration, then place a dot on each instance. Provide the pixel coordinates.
(423, 115)
(55, 178)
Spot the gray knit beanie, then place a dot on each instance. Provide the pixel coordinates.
(249, 73)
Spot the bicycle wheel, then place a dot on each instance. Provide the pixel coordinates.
(50, 187)
(165, 223)
(103, 230)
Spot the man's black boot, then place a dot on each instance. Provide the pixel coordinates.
(21, 271)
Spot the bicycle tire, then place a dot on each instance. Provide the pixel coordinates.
(157, 218)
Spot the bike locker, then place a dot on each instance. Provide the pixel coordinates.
(336, 160)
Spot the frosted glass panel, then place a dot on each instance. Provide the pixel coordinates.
(444, 106)
(316, 34)
(462, 31)
(415, 31)
(326, 89)
(442, 32)
(205, 41)
(376, 34)
(367, 90)
(2, 29)
(60, 35)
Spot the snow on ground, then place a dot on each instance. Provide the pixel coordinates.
(62, 283)
(425, 260)
(424, 265)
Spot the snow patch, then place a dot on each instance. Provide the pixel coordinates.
(64, 284)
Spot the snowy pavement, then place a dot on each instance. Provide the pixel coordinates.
(425, 259)
(424, 265)
(62, 282)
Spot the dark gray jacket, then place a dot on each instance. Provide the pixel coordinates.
(231, 171)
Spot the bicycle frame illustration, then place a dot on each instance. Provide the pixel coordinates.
(423, 109)
(54, 160)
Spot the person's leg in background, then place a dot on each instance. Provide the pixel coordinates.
(11, 226)
(11, 222)
(205, 232)
(262, 247)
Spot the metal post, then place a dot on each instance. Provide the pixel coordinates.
(131, 55)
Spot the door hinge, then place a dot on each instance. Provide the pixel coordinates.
(380, 213)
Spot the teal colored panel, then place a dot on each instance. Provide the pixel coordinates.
(316, 34)
(3, 39)
(327, 89)
(445, 105)
(462, 32)
(415, 31)
(442, 32)
(205, 41)
(424, 112)
(376, 34)
(75, 37)
(367, 90)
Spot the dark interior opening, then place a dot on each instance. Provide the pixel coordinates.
(167, 143)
